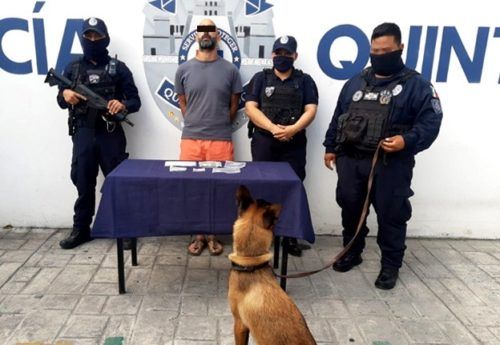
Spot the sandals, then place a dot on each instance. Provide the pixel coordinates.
(215, 247)
(196, 247)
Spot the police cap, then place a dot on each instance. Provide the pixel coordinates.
(288, 43)
(95, 24)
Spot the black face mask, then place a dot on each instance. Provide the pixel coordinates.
(283, 63)
(95, 50)
(387, 64)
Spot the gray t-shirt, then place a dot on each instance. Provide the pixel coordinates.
(208, 87)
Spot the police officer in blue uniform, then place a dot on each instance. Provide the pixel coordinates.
(98, 140)
(280, 103)
(387, 102)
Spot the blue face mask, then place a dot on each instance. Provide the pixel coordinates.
(283, 63)
(95, 50)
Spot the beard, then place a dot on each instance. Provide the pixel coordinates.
(207, 45)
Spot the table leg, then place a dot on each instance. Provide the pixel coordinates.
(284, 262)
(134, 251)
(121, 266)
(276, 260)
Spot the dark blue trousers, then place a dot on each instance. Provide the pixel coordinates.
(93, 148)
(389, 196)
(266, 148)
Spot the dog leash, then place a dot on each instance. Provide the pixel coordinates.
(362, 219)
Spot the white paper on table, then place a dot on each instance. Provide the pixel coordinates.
(180, 163)
(210, 164)
(198, 169)
(226, 170)
(232, 164)
(177, 169)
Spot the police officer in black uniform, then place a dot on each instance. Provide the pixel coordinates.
(98, 139)
(280, 103)
(387, 102)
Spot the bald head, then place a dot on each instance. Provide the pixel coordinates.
(206, 21)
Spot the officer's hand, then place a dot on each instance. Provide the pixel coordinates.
(393, 144)
(330, 159)
(277, 132)
(274, 129)
(72, 97)
(285, 133)
(115, 107)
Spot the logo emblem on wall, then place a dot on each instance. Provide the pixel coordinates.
(247, 37)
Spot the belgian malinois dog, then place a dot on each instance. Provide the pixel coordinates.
(258, 304)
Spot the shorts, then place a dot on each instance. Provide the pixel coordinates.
(206, 150)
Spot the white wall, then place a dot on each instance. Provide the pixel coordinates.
(456, 182)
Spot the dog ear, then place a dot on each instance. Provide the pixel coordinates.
(270, 216)
(243, 199)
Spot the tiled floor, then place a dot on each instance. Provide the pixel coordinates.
(448, 293)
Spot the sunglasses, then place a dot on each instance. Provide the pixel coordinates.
(206, 28)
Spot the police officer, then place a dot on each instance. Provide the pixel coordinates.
(388, 102)
(280, 103)
(98, 140)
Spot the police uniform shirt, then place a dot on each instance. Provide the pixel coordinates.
(125, 89)
(416, 105)
(308, 88)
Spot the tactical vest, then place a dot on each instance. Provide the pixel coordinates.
(101, 81)
(367, 120)
(282, 102)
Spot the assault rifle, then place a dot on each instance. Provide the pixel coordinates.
(93, 99)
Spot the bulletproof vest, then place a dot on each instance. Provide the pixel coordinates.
(368, 116)
(100, 80)
(282, 102)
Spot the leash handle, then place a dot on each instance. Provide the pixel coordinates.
(362, 219)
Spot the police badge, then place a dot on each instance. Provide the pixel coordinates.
(397, 90)
(357, 96)
(94, 78)
(370, 96)
(385, 97)
(269, 90)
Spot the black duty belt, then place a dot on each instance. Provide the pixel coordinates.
(264, 131)
(91, 119)
(357, 154)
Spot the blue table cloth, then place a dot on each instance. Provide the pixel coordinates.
(143, 198)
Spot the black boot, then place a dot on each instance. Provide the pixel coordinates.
(76, 238)
(347, 262)
(387, 278)
(304, 246)
(293, 247)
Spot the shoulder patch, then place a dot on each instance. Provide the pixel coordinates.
(436, 105)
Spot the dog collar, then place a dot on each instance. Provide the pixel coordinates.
(249, 269)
